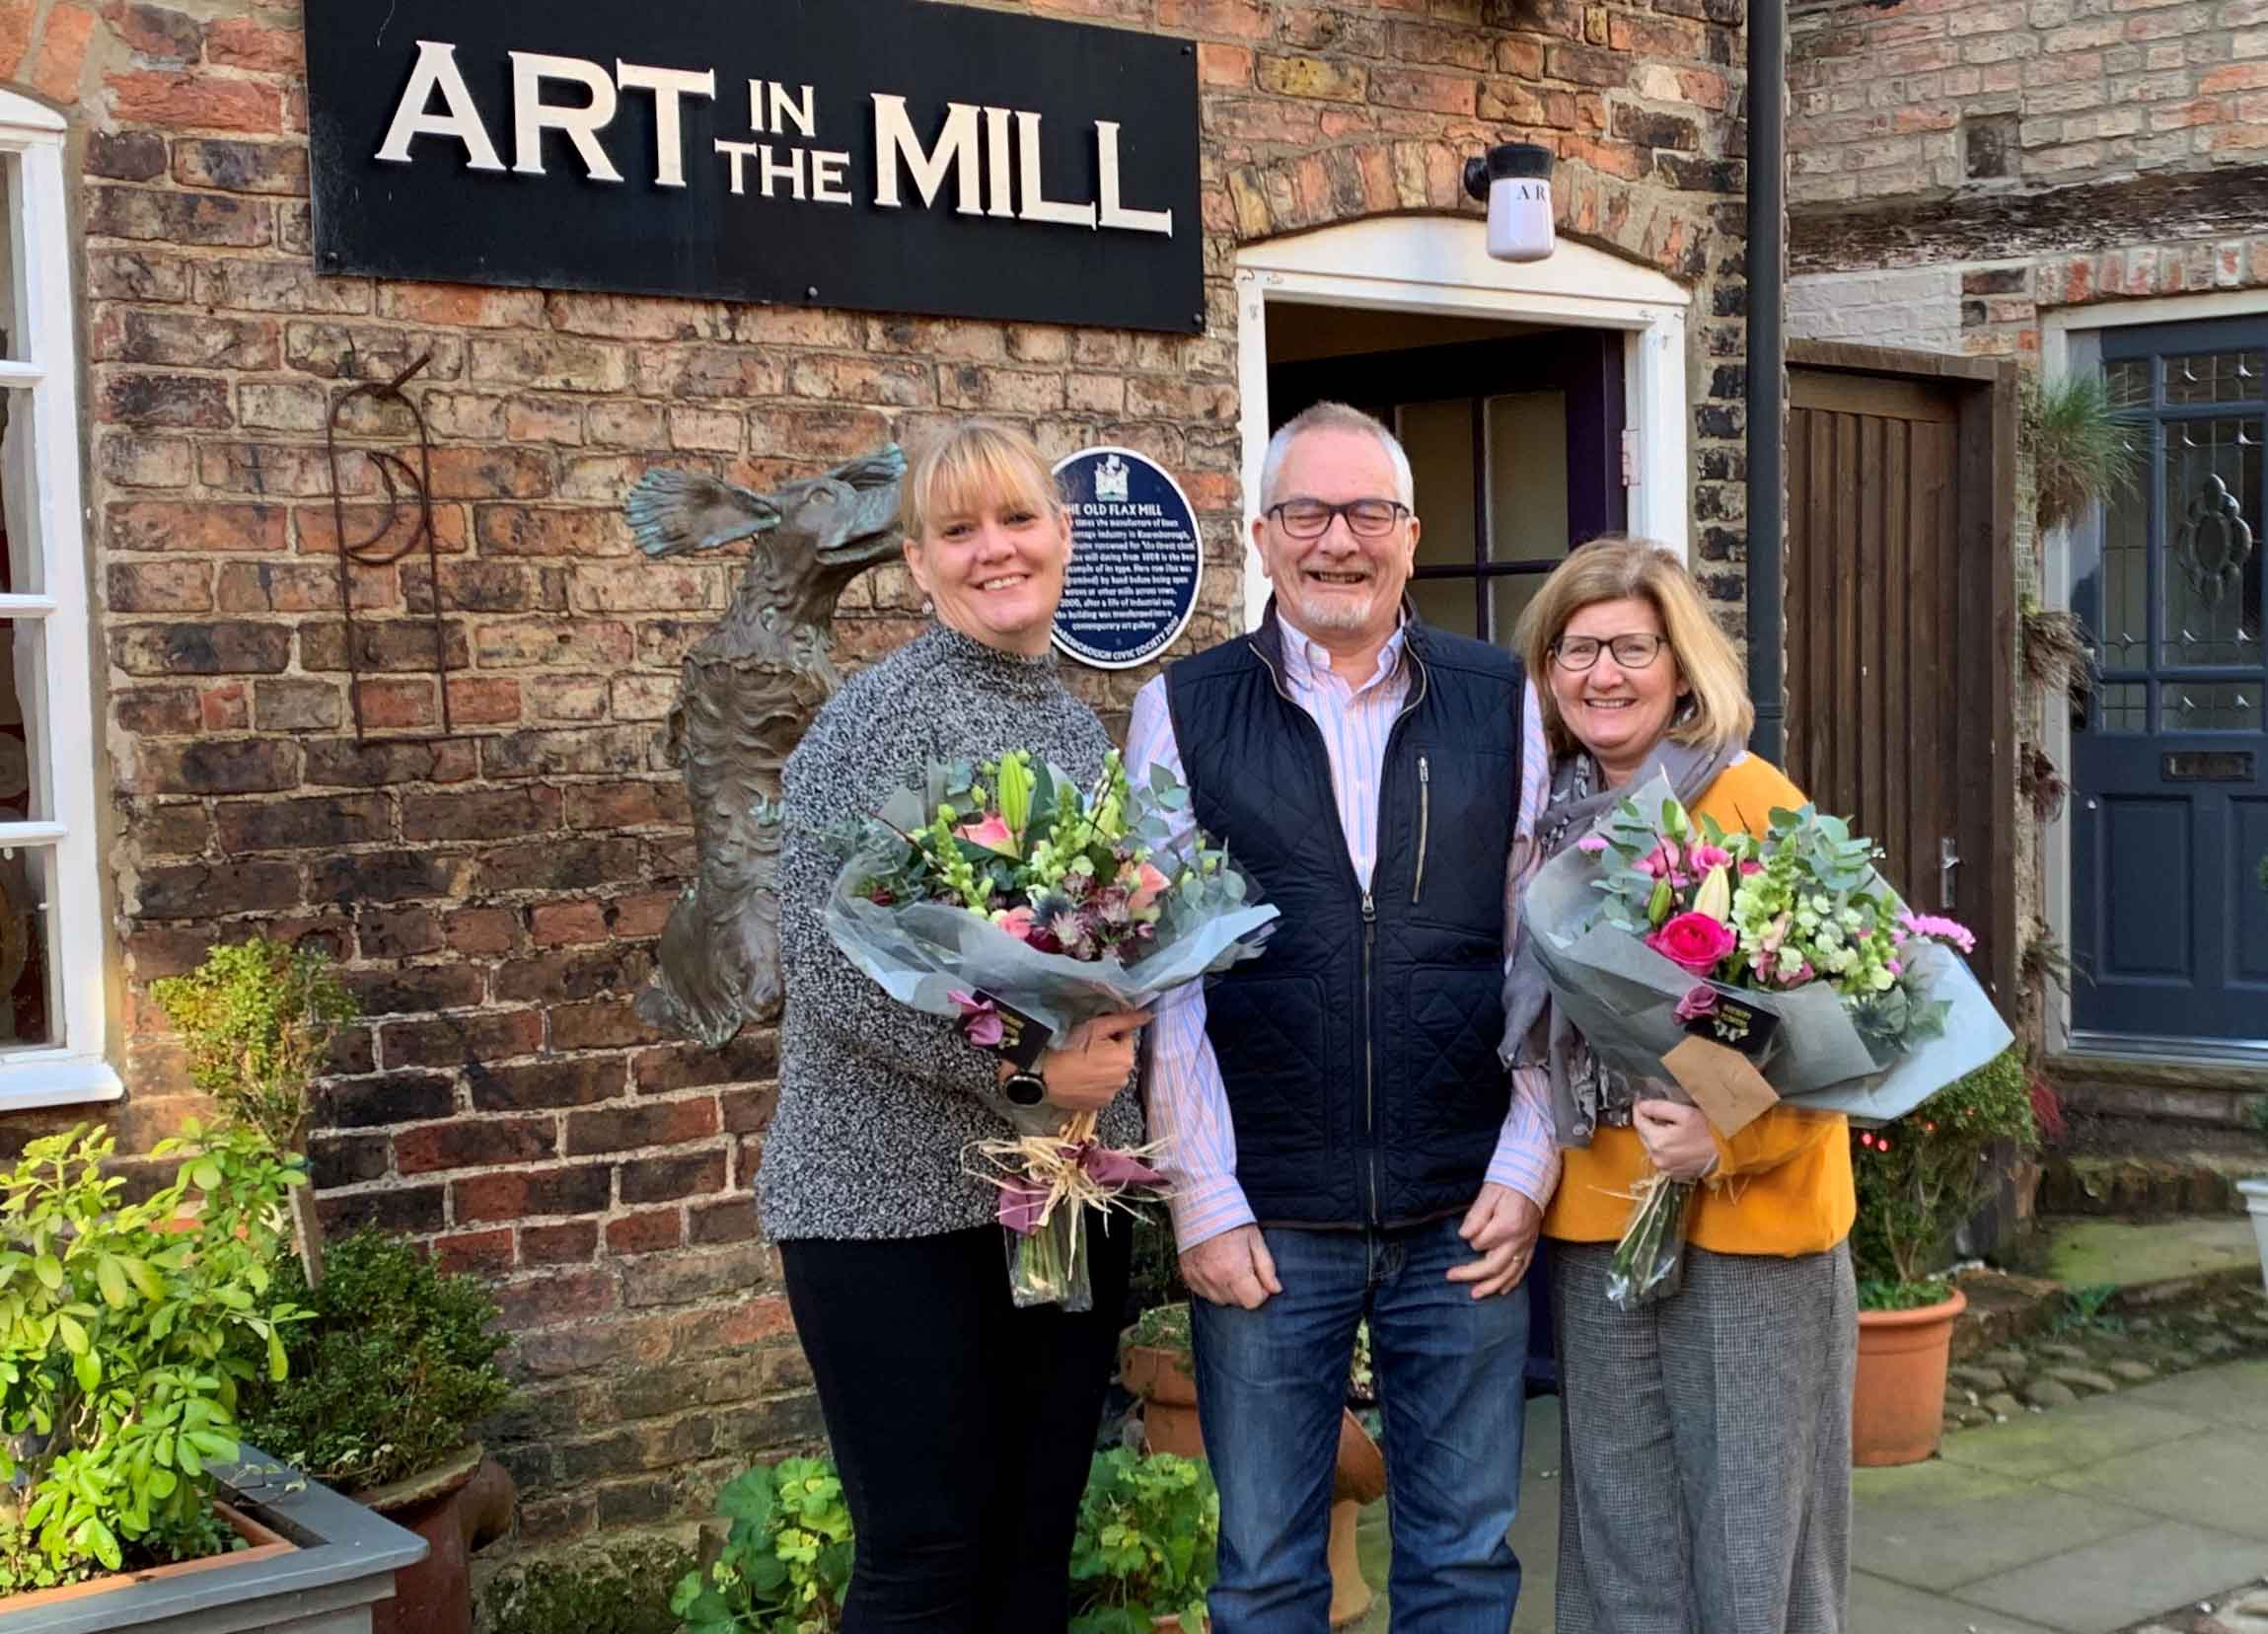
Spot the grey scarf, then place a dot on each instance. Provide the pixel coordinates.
(1535, 1032)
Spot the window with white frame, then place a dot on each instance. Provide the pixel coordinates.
(51, 985)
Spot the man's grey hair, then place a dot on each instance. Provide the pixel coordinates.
(1334, 416)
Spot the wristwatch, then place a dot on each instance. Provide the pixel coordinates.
(1024, 1088)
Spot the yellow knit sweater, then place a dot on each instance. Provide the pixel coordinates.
(1783, 1184)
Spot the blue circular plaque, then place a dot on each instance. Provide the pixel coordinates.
(1136, 559)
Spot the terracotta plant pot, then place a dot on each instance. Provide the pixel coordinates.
(1167, 1385)
(1898, 1403)
(456, 1507)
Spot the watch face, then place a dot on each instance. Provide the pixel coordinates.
(1026, 1088)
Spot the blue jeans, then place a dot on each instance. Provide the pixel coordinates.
(1270, 1385)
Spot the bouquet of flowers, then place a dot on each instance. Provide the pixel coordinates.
(1750, 971)
(1009, 895)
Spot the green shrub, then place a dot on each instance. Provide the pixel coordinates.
(128, 1332)
(1921, 1177)
(786, 1561)
(625, 1591)
(256, 1019)
(1162, 1327)
(1148, 1533)
(392, 1376)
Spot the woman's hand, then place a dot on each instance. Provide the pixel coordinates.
(1677, 1137)
(1085, 1073)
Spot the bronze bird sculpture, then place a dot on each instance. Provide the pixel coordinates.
(748, 692)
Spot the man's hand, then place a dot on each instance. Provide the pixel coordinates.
(1234, 1268)
(1502, 1226)
(1677, 1137)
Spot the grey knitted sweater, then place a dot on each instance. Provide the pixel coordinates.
(878, 1102)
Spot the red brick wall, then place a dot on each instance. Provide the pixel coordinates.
(493, 895)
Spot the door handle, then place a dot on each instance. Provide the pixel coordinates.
(1948, 859)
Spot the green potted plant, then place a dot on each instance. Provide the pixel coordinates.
(390, 1377)
(1154, 1365)
(128, 1333)
(1144, 1552)
(786, 1562)
(256, 1020)
(1917, 1179)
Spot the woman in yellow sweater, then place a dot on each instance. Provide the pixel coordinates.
(1706, 1436)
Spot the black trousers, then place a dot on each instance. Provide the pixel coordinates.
(963, 1427)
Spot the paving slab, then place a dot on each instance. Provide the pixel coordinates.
(2106, 1585)
(2219, 1480)
(2069, 1438)
(1880, 1607)
(2233, 1394)
(2088, 1253)
(1936, 1525)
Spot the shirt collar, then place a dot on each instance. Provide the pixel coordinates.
(1306, 660)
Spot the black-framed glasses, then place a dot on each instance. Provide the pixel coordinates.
(1632, 651)
(1311, 518)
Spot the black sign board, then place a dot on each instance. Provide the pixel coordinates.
(890, 155)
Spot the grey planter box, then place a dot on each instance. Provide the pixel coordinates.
(345, 1562)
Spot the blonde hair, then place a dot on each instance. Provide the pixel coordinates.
(968, 465)
(1615, 567)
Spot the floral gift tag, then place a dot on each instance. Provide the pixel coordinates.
(1730, 1016)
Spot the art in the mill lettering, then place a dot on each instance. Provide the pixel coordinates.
(891, 155)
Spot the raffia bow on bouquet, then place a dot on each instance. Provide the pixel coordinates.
(1012, 898)
(1747, 971)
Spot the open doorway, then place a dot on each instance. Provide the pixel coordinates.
(1514, 430)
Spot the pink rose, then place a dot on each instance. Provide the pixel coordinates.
(1691, 941)
(1148, 884)
(1017, 921)
(993, 833)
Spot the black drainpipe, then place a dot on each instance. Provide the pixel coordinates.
(1767, 476)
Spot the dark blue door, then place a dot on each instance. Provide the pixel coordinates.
(2169, 855)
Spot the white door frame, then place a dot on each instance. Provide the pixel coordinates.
(2068, 335)
(1440, 264)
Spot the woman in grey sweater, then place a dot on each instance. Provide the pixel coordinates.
(962, 1425)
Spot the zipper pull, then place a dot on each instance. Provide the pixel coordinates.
(1369, 909)
(1424, 770)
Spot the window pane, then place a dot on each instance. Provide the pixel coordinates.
(19, 567)
(2214, 377)
(2212, 587)
(2125, 632)
(2129, 381)
(28, 1012)
(12, 344)
(2210, 707)
(22, 781)
(1445, 603)
(1440, 440)
(1508, 598)
(2124, 706)
(1529, 477)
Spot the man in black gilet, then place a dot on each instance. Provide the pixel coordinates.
(1340, 1135)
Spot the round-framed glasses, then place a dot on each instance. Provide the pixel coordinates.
(1311, 518)
(1634, 650)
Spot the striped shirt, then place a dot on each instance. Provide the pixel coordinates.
(1188, 1102)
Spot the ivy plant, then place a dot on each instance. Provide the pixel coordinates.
(1145, 1548)
(128, 1332)
(785, 1564)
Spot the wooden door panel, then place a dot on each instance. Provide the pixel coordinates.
(1896, 606)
